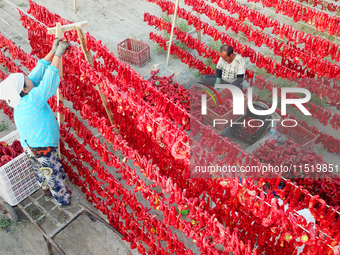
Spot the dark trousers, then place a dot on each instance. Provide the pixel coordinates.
(211, 80)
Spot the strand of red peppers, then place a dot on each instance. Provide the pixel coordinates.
(268, 64)
(323, 115)
(148, 194)
(257, 18)
(111, 62)
(185, 57)
(321, 21)
(289, 51)
(260, 20)
(118, 207)
(259, 38)
(328, 6)
(323, 89)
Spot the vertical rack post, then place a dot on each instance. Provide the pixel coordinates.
(199, 35)
(89, 58)
(172, 33)
(75, 5)
(59, 95)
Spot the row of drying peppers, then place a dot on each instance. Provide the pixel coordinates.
(174, 91)
(313, 44)
(315, 65)
(322, 88)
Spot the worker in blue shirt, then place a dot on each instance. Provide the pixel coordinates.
(35, 121)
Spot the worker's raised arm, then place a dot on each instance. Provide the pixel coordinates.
(50, 80)
(38, 72)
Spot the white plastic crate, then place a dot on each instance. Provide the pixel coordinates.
(17, 180)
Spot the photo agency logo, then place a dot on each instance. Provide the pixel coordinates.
(238, 104)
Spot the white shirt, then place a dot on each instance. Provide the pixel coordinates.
(230, 71)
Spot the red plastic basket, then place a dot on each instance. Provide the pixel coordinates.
(298, 133)
(134, 52)
(211, 114)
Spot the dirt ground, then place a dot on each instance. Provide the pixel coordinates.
(111, 21)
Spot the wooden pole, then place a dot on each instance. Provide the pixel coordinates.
(75, 5)
(59, 95)
(172, 32)
(89, 58)
(199, 35)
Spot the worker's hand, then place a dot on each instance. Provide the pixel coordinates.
(55, 45)
(62, 48)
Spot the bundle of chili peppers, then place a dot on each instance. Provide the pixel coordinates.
(9, 152)
(175, 92)
(251, 129)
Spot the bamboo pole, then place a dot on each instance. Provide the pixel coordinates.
(199, 35)
(172, 32)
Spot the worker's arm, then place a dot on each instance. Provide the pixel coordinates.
(50, 80)
(47, 87)
(38, 72)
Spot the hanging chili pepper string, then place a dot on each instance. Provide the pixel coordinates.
(16, 7)
(293, 211)
(11, 37)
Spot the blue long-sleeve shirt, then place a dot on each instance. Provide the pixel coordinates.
(33, 116)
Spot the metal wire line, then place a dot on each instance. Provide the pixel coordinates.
(29, 15)
(11, 37)
(13, 29)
